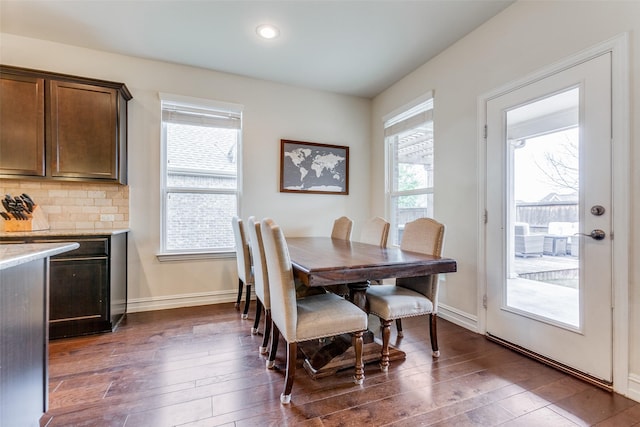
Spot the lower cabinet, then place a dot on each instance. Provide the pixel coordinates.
(23, 348)
(87, 286)
(78, 296)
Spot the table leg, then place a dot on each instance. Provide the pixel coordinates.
(358, 294)
(326, 357)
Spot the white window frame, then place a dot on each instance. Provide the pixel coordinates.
(233, 112)
(406, 117)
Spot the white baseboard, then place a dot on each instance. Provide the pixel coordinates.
(177, 301)
(633, 391)
(458, 317)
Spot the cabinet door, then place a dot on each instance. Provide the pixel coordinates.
(22, 130)
(83, 131)
(23, 344)
(78, 296)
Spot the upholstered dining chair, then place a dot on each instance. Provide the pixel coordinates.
(342, 228)
(243, 260)
(260, 282)
(309, 318)
(413, 296)
(375, 232)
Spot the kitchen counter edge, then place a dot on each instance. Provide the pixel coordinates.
(13, 255)
(63, 233)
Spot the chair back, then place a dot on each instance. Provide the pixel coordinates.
(261, 281)
(375, 232)
(342, 228)
(284, 312)
(243, 255)
(426, 236)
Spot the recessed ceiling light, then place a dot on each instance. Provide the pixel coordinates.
(267, 31)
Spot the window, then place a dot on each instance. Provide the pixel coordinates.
(200, 185)
(409, 153)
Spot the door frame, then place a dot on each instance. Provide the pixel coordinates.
(620, 192)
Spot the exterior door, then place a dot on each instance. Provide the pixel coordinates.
(548, 242)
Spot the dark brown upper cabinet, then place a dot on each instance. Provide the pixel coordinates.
(61, 127)
(22, 125)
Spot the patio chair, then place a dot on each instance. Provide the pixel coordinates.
(525, 243)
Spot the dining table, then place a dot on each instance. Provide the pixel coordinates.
(323, 261)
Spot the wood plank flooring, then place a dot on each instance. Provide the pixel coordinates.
(200, 366)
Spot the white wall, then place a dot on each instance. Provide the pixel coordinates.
(271, 112)
(524, 38)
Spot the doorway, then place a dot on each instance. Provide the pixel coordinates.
(549, 218)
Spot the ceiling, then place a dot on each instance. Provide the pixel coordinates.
(351, 47)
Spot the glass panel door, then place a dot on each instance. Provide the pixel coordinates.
(544, 142)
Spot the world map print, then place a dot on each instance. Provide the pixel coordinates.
(314, 168)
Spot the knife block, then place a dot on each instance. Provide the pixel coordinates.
(37, 221)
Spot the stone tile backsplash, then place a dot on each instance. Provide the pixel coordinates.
(75, 205)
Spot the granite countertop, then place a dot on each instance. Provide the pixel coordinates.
(13, 255)
(62, 233)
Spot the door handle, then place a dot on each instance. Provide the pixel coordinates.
(596, 234)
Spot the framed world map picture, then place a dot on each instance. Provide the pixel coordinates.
(307, 167)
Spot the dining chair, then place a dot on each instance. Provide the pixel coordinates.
(260, 283)
(309, 318)
(342, 228)
(243, 260)
(375, 232)
(414, 296)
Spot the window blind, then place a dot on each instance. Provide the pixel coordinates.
(412, 116)
(197, 112)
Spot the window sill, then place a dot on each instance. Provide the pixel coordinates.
(194, 256)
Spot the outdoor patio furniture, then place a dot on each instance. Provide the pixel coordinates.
(525, 243)
(558, 239)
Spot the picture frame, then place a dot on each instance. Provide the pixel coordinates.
(309, 167)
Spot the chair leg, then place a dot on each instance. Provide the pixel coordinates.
(433, 335)
(386, 336)
(256, 322)
(267, 331)
(292, 351)
(245, 313)
(275, 337)
(399, 327)
(240, 286)
(358, 343)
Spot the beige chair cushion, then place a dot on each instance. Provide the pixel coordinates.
(327, 315)
(391, 302)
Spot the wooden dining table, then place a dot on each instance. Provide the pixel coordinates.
(323, 261)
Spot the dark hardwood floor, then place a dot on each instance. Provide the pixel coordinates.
(200, 366)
